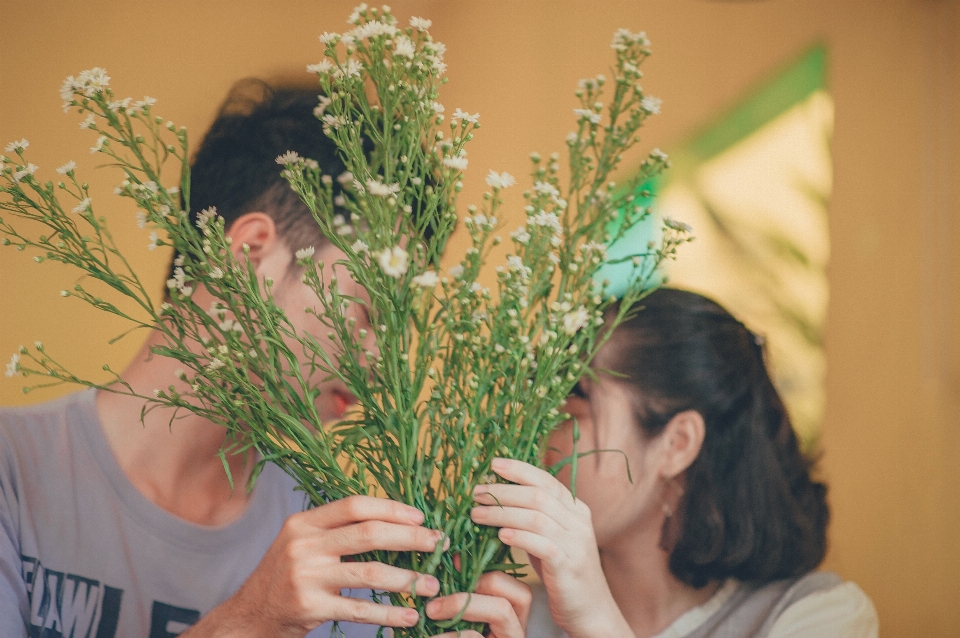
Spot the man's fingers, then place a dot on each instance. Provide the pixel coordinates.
(467, 633)
(381, 578)
(363, 611)
(493, 610)
(355, 509)
(370, 535)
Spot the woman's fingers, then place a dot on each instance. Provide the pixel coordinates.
(534, 544)
(497, 612)
(517, 593)
(517, 518)
(526, 474)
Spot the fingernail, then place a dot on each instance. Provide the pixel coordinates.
(477, 513)
(431, 608)
(410, 616)
(498, 463)
(416, 516)
(430, 583)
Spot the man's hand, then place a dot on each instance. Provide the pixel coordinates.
(501, 601)
(297, 585)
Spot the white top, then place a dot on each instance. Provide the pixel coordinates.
(785, 609)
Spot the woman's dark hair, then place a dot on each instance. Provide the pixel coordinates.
(750, 509)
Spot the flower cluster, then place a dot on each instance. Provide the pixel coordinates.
(449, 374)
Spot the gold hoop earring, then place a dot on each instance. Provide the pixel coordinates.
(670, 530)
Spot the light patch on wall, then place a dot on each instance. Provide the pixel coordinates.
(755, 187)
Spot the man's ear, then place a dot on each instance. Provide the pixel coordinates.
(682, 439)
(256, 230)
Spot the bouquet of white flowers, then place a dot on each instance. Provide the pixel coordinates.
(460, 374)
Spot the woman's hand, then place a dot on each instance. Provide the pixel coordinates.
(501, 601)
(539, 515)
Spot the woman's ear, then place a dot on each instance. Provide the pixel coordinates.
(682, 439)
(256, 230)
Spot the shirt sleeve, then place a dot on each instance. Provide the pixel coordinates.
(13, 591)
(844, 611)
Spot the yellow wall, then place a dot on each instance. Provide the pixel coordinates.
(891, 435)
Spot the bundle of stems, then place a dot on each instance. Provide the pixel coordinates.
(459, 374)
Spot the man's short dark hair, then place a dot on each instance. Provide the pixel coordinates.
(235, 167)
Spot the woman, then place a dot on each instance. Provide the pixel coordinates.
(716, 527)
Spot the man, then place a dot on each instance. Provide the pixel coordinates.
(113, 527)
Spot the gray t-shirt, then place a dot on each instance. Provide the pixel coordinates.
(83, 554)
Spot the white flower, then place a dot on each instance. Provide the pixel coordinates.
(573, 321)
(378, 188)
(461, 115)
(500, 180)
(587, 114)
(333, 121)
(345, 177)
(359, 247)
(546, 188)
(549, 220)
(19, 145)
(215, 364)
(373, 29)
(83, 206)
(154, 238)
(352, 68)
(623, 39)
(420, 24)
(595, 248)
(66, 92)
(328, 37)
(216, 272)
(658, 155)
(66, 168)
(324, 102)
(179, 260)
(324, 66)
(93, 81)
(88, 122)
(13, 368)
(437, 107)
(393, 261)
(678, 226)
(205, 216)
(290, 157)
(29, 169)
(651, 105)
(96, 148)
(404, 46)
(521, 235)
(457, 271)
(428, 279)
(458, 163)
(304, 253)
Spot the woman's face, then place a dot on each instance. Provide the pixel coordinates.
(606, 421)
